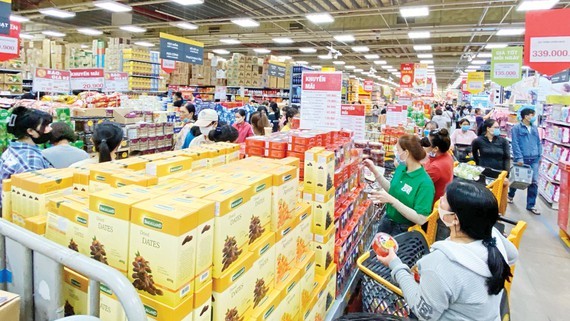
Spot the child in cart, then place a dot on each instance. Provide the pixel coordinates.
(463, 278)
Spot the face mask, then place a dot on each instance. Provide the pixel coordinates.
(399, 159)
(42, 139)
(186, 120)
(442, 214)
(465, 128)
(426, 132)
(497, 132)
(432, 154)
(205, 130)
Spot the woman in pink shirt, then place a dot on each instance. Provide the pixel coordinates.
(464, 135)
(244, 129)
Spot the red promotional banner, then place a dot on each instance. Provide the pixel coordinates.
(10, 44)
(547, 44)
(322, 81)
(321, 100)
(51, 80)
(352, 117)
(352, 110)
(368, 85)
(87, 78)
(167, 65)
(407, 79)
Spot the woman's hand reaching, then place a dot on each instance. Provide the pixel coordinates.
(388, 258)
(381, 197)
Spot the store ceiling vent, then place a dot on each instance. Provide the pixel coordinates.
(214, 29)
(401, 20)
(295, 26)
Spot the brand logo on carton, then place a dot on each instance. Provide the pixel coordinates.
(106, 209)
(105, 289)
(81, 220)
(238, 274)
(264, 249)
(176, 168)
(260, 188)
(75, 283)
(291, 287)
(286, 178)
(150, 311)
(268, 313)
(152, 223)
(100, 178)
(237, 202)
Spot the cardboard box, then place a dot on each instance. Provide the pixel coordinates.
(323, 211)
(290, 306)
(75, 293)
(36, 224)
(264, 268)
(232, 294)
(307, 282)
(203, 302)
(324, 250)
(9, 309)
(286, 247)
(163, 168)
(285, 183)
(158, 311)
(140, 179)
(304, 235)
(7, 200)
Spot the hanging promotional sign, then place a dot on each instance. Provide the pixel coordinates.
(506, 65)
(277, 69)
(475, 82)
(396, 115)
(321, 100)
(87, 79)
(368, 85)
(5, 12)
(181, 49)
(480, 101)
(10, 44)
(353, 117)
(167, 65)
(116, 82)
(547, 44)
(51, 81)
(407, 71)
(420, 78)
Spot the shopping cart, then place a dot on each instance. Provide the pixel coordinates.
(463, 153)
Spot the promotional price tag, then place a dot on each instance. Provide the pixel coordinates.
(10, 44)
(506, 70)
(87, 79)
(51, 80)
(550, 49)
(368, 85)
(116, 81)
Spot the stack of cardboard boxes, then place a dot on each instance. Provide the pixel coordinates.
(244, 71)
(181, 75)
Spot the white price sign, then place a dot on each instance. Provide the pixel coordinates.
(8, 45)
(87, 79)
(321, 100)
(506, 70)
(51, 80)
(550, 49)
(116, 81)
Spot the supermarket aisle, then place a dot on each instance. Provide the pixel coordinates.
(540, 287)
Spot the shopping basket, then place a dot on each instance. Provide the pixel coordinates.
(521, 176)
(462, 153)
(379, 295)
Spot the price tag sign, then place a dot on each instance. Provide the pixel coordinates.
(550, 49)
(321, 100)
(10, 44)
(51, 81)
(87, 79)
(506, 64)
(368, 85)
(352, 117)
(116, 82)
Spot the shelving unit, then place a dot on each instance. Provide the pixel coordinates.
(296, 81)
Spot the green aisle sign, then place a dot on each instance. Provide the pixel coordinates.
(506, 65)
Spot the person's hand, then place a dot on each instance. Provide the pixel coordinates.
(381, 197)
(370, 165)
(386, 260)
(520, 163)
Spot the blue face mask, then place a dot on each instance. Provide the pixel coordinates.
(398, 159)
(465, 128)
(426, 132)
(497, 132)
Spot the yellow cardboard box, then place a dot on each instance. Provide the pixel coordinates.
(232, 294)
(75, 293)
(290, 306)
(307, 282)
(324, 250)
(7, 200)
(264, 268)
(311, 169)
(158, 311)
(323, 211)
(325, 172)
(77, 233)
(286, 247)
(36, 224)
(165, 167)
(133, 178)
(56, 224)
(203, 302)
(303, 215)
(265, 311)
(110, 309)
(285, 183)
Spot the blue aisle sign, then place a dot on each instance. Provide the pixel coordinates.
(277, 69)
(5, 12)
(181, 49)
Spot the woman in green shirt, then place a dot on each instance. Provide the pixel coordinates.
(409, 195)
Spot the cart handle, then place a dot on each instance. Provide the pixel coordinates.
(387, 284)
(506, 220)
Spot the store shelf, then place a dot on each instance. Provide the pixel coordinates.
(557, 142)
(553, 181)
(560, 123)
(143, 61)
(10, 71)
(550, 159)
(144, 76)
(553, 205)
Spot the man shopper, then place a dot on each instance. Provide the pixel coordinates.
(527, 150)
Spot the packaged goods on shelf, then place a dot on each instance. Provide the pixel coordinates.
(68, 225)
(110, 307)
(75, 290)
(264, 250)
(203, 303)
(290, 306)
(233, 291)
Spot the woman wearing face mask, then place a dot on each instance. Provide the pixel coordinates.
(207, 121)
(31, 127)
(465, 136)
(409, 195)
(188, 117)
(463, 277)
(490, 149)
(107, 138)
(244, 129)
(428, 127)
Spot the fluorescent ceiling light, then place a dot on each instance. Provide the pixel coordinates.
(316, 67)
(484, 55)
(57, 13)
(371, 56)
(285, 57)
(360, 49)
(184, 25)
(132, 29)
(301, 62)
(358, 70)
(422, 47)
(230, 41)
(408, 12)
(84, 46)
(430, 67)
(425, 56)
(53, 33)
(144, 44)
(338, 62)
(345, 38)
(325, 57)
(510, 32)
(352, 76)
(426, 62)
(473, 67)
(419, 34)
(282, 40)
(90, 32)
(392, 70)
(26, 36)
(308, 50)
(221, 51)
(17, 18)
(188, 2)
(246, 22)
(349, 67)
(530, 5)
(496, 45)
(112, 6)
(380, 62)
(387, 67)
(478, 62)
(262, 50)
(317, 18)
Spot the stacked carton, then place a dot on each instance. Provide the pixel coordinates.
(182, 74)
(244, 71)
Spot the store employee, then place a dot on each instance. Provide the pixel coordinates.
(410, 192)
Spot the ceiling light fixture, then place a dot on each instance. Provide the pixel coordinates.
(301, 62)
(26, 36)
(484, 55)
(230, 41)
(338, 62)
(345, 38)
(349, 67)
(419, 34)
(245, 22)
(318, 18)
(132, 29)
(57, 13)
(84, 47)
(531, 5)
(184, 25)
(308, 50)
(358, 70)
(380, 62)
(282, 40)
(17, 18)
(360, 49)
(53, 33)
(510, 32)
(392, 70)
(112, 6)
(221, 51)
(188, 2)
(285, 57)
(371, 56)
(386, 67)
(262, 50)
(496, 45)
(479, 62)
(90, 32)
(144, 44)
(316, 67)
(426, 62)
(326, 57)
(408, 12)
(473, 67)
(422, 48)
(425, 56)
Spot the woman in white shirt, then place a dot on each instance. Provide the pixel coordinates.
(107, 138)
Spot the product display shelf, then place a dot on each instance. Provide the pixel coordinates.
(549, 158)
(557, 142)
(296, 81)
(548, 199)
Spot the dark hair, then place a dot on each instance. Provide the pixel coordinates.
(275, 108)
(225, 133)
(440, 139)
(107, 137)
(23, 118)
(241, 112)
(462, 120)
(291, 112)
(263, 109)
(488, 123)
(383, 111)
(191, 110)
(477, 210)
(527, 111)
(439, 112)
(259, 121)
(431, 123)
(424, 141)
(61, 131)
(412, 144)
(477, 110)
(178, 94)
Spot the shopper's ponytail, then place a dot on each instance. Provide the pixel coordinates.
(107, 137)
(499, 268)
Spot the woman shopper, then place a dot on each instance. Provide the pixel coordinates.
(31, 127)
(107, 138)
(464, 136)
(409, 195)
(259, 122)
(225, 133)
(207, 121)
(188, 117)
(62, 154)
(289, 115)
(463, 277)
(274, 116)
(244, 129)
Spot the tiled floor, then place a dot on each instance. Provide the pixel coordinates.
(541, 286)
